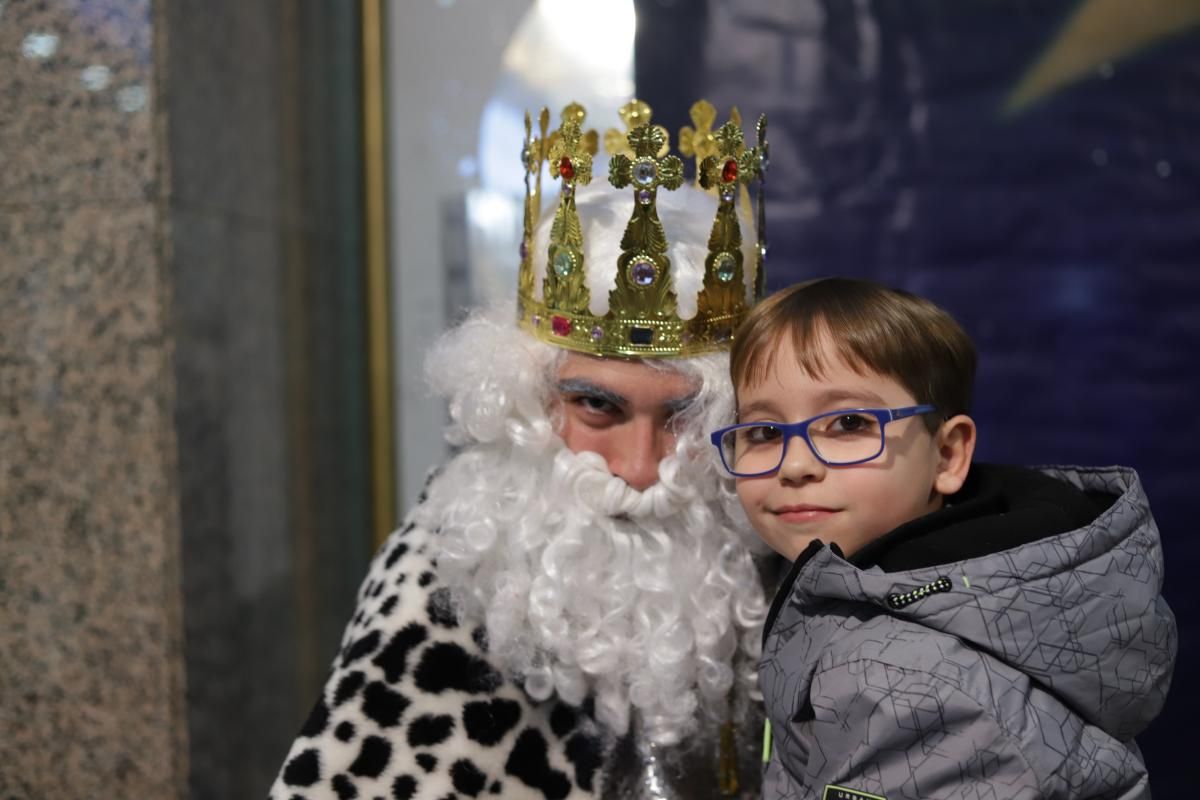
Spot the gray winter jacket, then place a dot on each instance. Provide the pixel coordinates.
(1022, 672)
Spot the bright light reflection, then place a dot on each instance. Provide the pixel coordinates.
(132, 98)
(96, 78)
(39, 45)
(592, 36)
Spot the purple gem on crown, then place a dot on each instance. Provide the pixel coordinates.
(643, 273)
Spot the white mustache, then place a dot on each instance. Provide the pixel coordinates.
(595, 487)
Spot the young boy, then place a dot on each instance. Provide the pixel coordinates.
(948, 629)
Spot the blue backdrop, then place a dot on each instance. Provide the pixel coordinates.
(1032, 167)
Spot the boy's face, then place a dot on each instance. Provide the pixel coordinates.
(806, 499)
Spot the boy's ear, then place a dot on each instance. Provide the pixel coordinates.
(955, 441)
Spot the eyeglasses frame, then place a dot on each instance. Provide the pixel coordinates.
(791, 430)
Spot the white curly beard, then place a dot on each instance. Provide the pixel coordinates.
(647, 601)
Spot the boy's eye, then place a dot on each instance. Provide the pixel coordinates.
(759, 434)
(852, 423)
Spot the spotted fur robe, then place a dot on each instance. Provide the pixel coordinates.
(414, 709)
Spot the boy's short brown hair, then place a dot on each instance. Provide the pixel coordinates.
(873, 328)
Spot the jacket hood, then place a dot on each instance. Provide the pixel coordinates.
(1080, 612)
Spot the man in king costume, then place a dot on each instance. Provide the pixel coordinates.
(573, 609)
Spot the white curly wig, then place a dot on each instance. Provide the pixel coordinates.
(648, 601)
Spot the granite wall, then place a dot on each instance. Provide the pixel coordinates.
(183, 438)
(91, 678)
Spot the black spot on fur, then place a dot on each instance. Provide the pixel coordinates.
(404, 787)
(426, 579)
(562, 720)
(447, 666)
(429, 729)
(467, 778)
(479, 636)
(389, 605)
(451, 796)
(317, 720)
(487, 722)
(496, 787)
(428, 761)
(587, 754)
(393, 658)
(348, 686)
(358, 617)
(383, 705)
(378, 589)
(441, 608)
(529, 763)
(402, 578)
(372, 758)
(397, 553)
(344, 788)
(344, 732)
(361, 648)
(303, 770)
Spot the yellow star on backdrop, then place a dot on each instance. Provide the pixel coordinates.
(1100, 31)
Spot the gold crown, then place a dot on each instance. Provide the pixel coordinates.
(642, 320)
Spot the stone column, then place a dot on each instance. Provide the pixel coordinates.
(91, 661)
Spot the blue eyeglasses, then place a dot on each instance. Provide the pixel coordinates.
(837, 438)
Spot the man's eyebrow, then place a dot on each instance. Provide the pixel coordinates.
(679, 404)
(580, 386)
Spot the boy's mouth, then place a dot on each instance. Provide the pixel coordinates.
(803, 512)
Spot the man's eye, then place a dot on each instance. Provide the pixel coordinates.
(595, 405)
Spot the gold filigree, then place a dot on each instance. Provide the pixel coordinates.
(643, 269)
(564, 288)
(533, 155)
(763, 151)
(732, 167)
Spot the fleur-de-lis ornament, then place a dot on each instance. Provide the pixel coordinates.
(634, 114)
(698, 142)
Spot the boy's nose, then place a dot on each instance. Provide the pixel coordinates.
(800, 463)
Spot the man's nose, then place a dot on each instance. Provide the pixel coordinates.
(800, 463)
(639, 452)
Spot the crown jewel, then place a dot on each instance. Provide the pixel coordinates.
(643, 318)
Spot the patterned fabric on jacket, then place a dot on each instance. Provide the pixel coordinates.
(1021, 670)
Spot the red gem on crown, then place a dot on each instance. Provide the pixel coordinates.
(566, 169)
(730, 172)
(560, 325)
